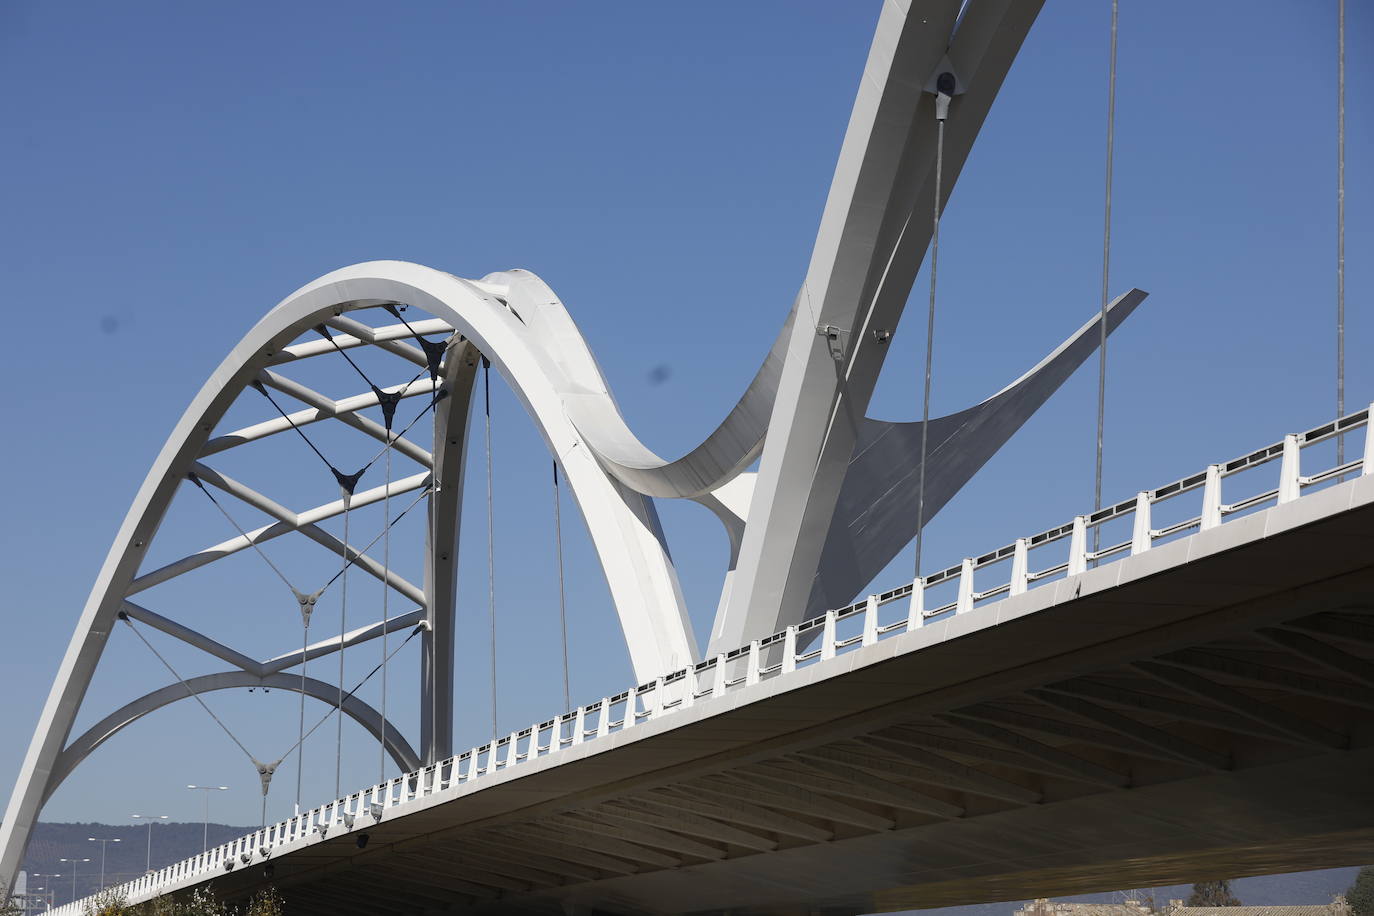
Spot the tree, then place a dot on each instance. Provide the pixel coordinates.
(107, 903)
(1213, 893)
(10, 908)
(266, 903)
(1361, 893)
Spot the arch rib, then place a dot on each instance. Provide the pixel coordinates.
(623, 523)
(85, 745)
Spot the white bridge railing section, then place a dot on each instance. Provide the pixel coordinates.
(816, 640)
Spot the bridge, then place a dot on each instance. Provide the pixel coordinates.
(1160, 689)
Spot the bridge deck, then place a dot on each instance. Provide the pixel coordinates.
(1202, 708)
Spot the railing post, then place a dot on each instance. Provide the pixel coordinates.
(512, 757)
(916, 612)
(1368, 466)
(1141, 539)
(1078, 546)
(603, 728)
(656, 709)
(718, 688)
(689, 687)
(871, 621)
(631, 717)
(828, 636)
(1020, 567)
(965, 600)
(751, 673)
(1211, 497)
(1290, 470)
(789, 650)
(579, 724)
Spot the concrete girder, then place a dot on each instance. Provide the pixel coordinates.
(672, 817)
(787, 795)
(738, 812)
(895, 760)
(1295, 726)
(564, 852)
(844, 782)
(1070, 765)
(1182, 710)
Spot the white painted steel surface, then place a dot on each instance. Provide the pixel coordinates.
(797, 544)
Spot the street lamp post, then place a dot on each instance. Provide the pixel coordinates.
(39, 894)
(150, 818)
(103, 843)
(205, 839)
(74, 864)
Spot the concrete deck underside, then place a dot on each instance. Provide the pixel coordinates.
(1203, 709)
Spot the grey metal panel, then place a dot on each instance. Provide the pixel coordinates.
(875, 514)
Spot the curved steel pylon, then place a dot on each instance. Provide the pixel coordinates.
(826, 503)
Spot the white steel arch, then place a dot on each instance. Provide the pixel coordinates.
(824, 466)
(623, 524)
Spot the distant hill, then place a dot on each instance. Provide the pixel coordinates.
(173, 842)
(124, 860)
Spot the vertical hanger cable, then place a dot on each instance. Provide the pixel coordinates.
(1106, 270)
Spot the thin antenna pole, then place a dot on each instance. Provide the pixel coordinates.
(1106, 272)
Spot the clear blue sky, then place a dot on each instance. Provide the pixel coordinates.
(172, 170)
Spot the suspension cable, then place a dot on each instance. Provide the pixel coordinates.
(386, 594)
(347, 484)
(1106, 267)
(439, 395)
(306, 604)
(491, 543)
(343, 630)
(358, 553)
(244, 534)
(945, 85)
(262, 389)
(300, 739)
(323, 331)
(562, 599)
(1340, 224)
(433, 349)
(189, 691)
(350, 694)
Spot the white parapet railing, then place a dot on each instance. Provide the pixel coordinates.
(823, 637)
